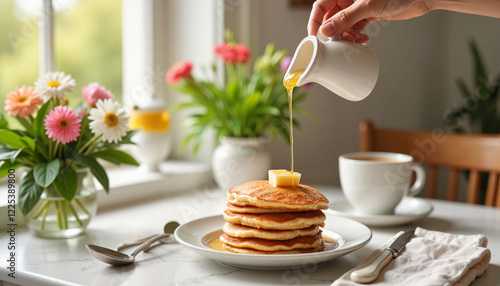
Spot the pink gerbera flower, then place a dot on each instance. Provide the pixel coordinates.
(62, 124)
(22, 102)
(93, 92)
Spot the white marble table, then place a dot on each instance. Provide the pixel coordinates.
(66, 262)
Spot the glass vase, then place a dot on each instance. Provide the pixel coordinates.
(55, 217)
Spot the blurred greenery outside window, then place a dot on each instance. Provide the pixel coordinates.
(87, 40)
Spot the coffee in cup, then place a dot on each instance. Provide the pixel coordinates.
(374, 183)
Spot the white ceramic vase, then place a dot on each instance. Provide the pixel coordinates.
(240, 160)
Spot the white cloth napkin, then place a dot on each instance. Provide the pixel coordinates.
(431, 258)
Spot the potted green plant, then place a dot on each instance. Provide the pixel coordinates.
(246, 109)
(478, 113)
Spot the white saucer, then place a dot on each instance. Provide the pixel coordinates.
(410, 209)
(349, 234)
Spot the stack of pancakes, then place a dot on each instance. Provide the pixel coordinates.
(264, 219)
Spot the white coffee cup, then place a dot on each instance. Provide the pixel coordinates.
(374, 183)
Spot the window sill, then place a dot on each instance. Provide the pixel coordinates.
(129, 185)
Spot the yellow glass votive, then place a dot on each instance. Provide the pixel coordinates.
(150, 120)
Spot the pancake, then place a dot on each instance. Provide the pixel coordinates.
(254, 251)
(277, 221)
(304, 242)
(237, 230)
(264, 195)
(254, 210)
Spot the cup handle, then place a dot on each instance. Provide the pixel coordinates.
(420, 180)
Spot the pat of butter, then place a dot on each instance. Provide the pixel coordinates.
(283, 178)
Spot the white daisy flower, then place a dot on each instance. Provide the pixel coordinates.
(53, 85)
(109, 120)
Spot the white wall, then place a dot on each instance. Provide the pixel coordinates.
(419, 61)
(191, 29)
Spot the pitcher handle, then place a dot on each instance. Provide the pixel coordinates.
(326, 39)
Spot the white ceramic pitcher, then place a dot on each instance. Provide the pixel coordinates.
(348, 69)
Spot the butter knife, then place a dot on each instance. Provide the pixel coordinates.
(372, 268)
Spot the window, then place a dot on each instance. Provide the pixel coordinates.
(88, 45)
(87, 41)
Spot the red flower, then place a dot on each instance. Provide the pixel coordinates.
(226, 53)
(179, 71)
(243, 53)
(232, 53)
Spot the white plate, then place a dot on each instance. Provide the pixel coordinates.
(409, 210)
(351, 235)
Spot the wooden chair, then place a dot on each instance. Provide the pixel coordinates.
(438, 149)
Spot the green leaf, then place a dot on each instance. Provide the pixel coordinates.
(11, 139)
(495, 89)
(480, 74)
(232, 91)
(298, 98)
(28, 142)
(26, 125)
(255, 79)
(266, 110)
(3, 123)
(307, 113)
(40, 116)
(186, 140)
(115, 156)
(251, 102)
(42, 149)
(463, 88)
(45, 173)
(29, 193)
(6, 166)
(15, 155)
(6, 154)
(66, 183)
(94, 167)
(127, 139)
(185, 105)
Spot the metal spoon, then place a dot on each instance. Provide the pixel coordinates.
(168, 228)
(114, 257)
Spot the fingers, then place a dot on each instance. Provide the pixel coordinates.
(319, 10)
(339, 17)
(358, 31)
(353, 36)
(345, 19)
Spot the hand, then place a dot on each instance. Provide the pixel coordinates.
(348, 18)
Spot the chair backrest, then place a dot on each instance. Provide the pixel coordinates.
(477, 154)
